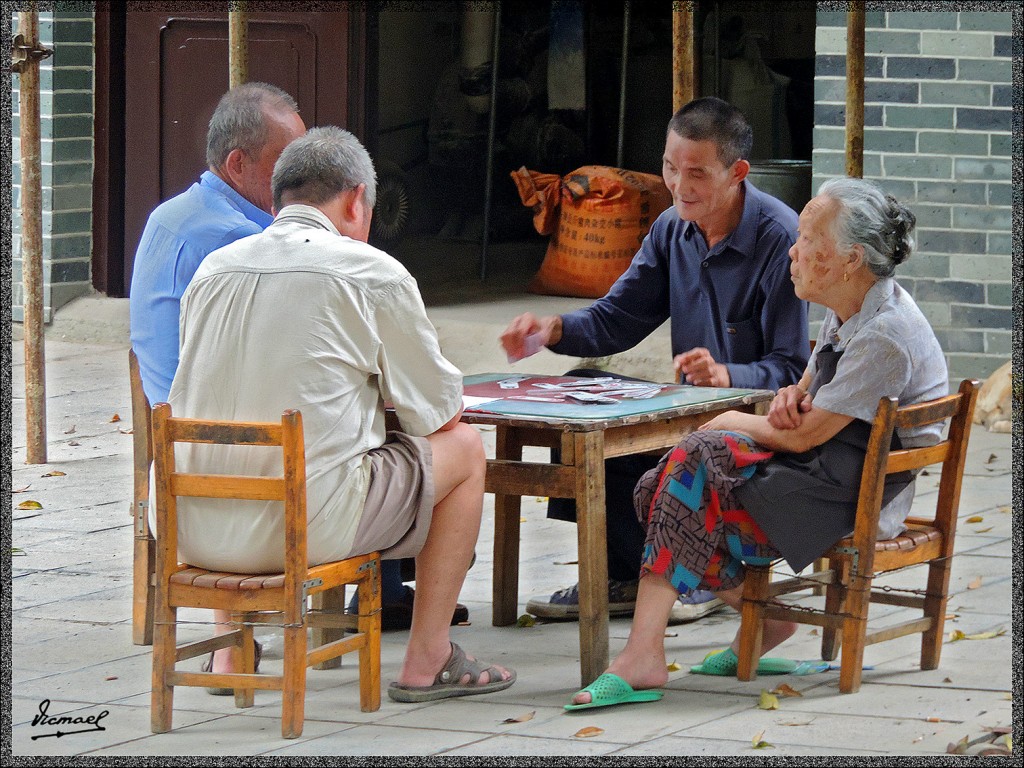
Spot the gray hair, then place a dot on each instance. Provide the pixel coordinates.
(239, 122)
(711, 119)
(322, 164)
(876, 221)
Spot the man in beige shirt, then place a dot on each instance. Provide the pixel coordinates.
(307, 315)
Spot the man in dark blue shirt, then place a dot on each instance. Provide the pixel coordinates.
(716, 265)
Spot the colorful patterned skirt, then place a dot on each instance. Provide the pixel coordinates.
(698, 536)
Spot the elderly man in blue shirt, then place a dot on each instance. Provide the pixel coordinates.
(715, 265)
(251, 126)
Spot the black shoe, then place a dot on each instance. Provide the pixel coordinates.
(397, 616)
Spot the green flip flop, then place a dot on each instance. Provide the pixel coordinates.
(610, 689)
(725, 663)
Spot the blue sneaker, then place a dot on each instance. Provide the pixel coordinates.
(693, 605)
(565, 603)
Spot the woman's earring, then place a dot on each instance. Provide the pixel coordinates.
(846, 277)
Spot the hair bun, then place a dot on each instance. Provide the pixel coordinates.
(903, 223)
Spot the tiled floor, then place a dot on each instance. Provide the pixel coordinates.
(71, 643)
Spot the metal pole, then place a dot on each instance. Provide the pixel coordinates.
(682, 54)
(855, 90)
(238, 44)
(619, 155)
(490, 142)
(26, 55)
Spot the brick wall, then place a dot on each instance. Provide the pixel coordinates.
(937, 111)
(66, 130)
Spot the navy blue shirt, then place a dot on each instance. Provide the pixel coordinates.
(735, 299)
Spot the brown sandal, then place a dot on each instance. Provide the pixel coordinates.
(448, 682)
(207, 666)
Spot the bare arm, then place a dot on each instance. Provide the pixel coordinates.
(816, 427)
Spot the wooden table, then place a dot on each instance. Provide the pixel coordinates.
(584, 444)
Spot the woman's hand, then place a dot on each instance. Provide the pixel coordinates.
(788, 408)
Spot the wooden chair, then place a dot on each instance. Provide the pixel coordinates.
(854, 561)
(144, 555)
(271, 599)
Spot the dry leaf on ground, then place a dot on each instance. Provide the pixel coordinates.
(30, 504)
(985, 635)
(975, 519)
(526, 620)
(114, 418)
(567, 562)
(991, 457)
(975, 584)
(674, 667)
(70, 431)
(586, 733)
(22, 489)
(520, 719)
(74, 443)
(767, 700)
(132, 431)
(786, 691)
(56, 473)
(758, 742)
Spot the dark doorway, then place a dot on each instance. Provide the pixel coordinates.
(176, 68)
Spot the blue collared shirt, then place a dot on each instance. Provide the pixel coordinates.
(179, 234)
(735, 299)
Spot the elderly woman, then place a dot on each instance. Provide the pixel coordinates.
(754, 488)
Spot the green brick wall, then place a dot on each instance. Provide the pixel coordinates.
(66, 130)
(937, 136)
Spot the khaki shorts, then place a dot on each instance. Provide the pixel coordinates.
(400, 500)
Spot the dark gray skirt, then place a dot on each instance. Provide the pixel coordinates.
(805, 502)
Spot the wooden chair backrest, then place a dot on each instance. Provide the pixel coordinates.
(880, 461)
(142, 430)
(290, 487)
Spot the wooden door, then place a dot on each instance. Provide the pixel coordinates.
(176, 69)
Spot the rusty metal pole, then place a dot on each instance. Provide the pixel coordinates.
(26, 54)
(855, 90)
(238, 44)
(682, 54)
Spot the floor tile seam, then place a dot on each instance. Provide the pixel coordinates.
(65, 599)
(148, 736)
(66, 672)
(302, 740)
(748, 746)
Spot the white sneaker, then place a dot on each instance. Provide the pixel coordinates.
(694, 605)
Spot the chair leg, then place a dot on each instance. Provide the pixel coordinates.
(755, 589)
(835, 603)
(369, 653)
(143, 591)
(244, 657)
(293, 693)
(329, 601)
(821, 564)
(854, 630)
(162, 695)
(935, 608)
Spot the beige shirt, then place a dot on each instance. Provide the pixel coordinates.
(302, 317)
